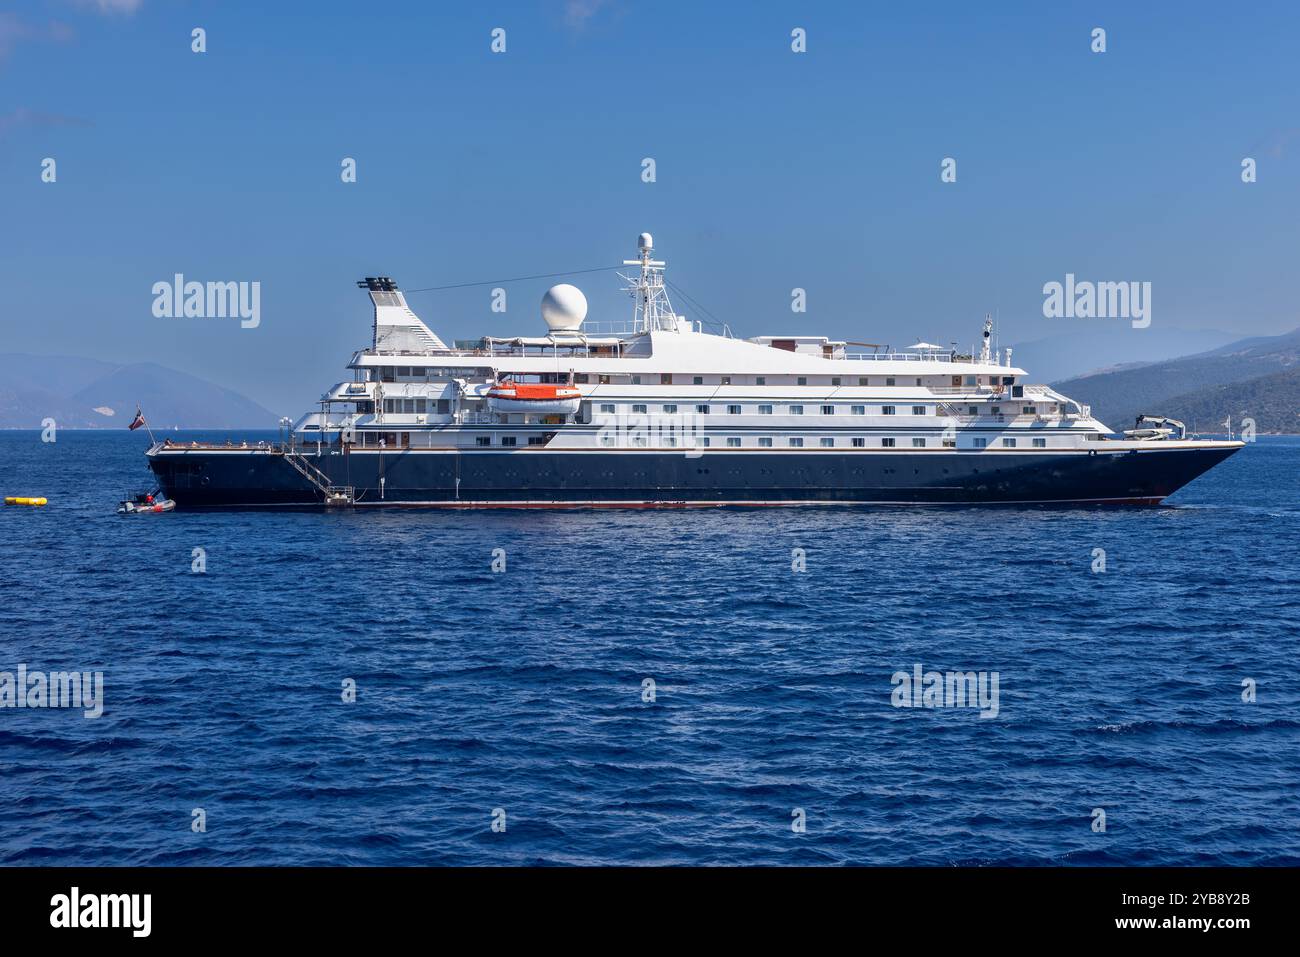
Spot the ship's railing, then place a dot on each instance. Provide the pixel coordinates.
(1031, 393)
(612, 327)
(899, 356)
(977, 391)
(229, 445)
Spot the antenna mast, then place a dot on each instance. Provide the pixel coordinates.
(652, 311)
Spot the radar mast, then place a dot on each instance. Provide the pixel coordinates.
(652, 311)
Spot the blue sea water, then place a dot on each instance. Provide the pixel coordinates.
(523, 690)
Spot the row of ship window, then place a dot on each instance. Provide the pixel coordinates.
(666, 378)
(610, 408)
(420, 373)
(509, 440)
(766, 442)
(421, 406)
(418, 406)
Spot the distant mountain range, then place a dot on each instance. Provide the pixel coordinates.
(1256, 378)
(92, 394)
(1067, 355)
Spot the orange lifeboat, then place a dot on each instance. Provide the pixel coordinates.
(507, 396)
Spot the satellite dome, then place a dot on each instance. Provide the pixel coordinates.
(645, 241)
(564, 307)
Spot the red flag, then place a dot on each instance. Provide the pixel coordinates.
(137, 421)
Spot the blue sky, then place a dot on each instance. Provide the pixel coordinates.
(775, 170)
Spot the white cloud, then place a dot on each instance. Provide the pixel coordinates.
(578, 12)
(23, 118)
(125, 7)
(14, 31)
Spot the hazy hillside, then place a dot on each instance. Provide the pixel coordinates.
(1072, 354)
(1248, 377)
(1273, 401)
(89, 393)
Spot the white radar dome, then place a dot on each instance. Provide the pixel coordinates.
(564, 307)
(645, 241)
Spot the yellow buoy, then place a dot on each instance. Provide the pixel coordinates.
(23, 500)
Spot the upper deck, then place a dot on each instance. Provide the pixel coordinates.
(684, 352)
(657, 340)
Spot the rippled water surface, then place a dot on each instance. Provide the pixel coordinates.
(523, 690)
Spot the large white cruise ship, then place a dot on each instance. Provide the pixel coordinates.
(659, 412)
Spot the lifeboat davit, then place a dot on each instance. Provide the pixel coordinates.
(507, 396)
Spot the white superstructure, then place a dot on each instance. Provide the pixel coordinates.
(662, 381)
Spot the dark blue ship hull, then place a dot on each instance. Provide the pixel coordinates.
(217, 477)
